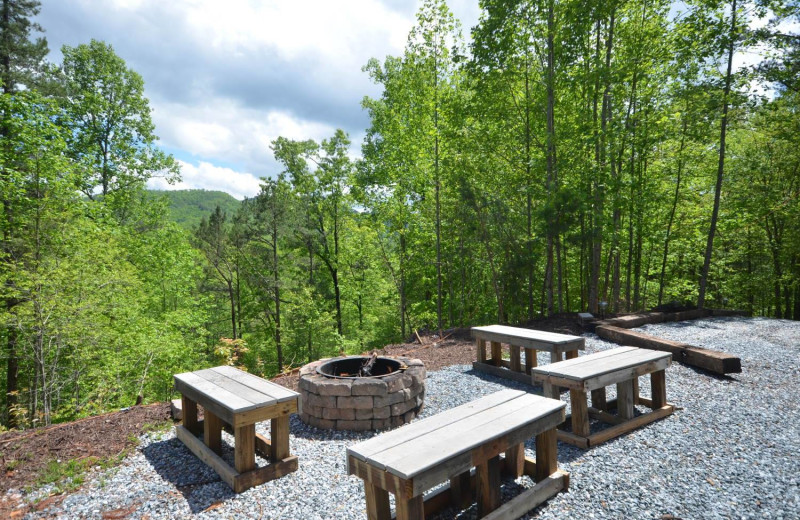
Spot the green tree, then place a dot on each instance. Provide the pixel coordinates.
(21, 59)
(20, 62)
(269, 218)
(323, 192)
(215, 239)
(113, 134)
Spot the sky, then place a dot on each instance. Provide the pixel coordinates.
(225, 78)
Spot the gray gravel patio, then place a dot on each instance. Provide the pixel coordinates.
(729, 451)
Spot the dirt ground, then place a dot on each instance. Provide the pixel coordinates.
(25, 456)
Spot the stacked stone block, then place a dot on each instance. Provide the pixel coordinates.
(362, 404)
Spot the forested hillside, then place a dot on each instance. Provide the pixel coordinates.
(557, 157)
(188, 207)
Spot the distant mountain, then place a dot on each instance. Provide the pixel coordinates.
(188, 207)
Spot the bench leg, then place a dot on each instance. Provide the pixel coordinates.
(497, 354)
(546, 454)
(555, 356)
(212, 431)
(515, 364)
(480, 347)
(551, 391)
(530, 360)
(571, 354)
(625, 399)
(460, 490)
(580, 413)
(658, 387)
(189, 414)
(488, 486)
(244, 450)
(377, 502)
(410, 509)
(279, 438)
(515, 460)
(635, 381)
(599, 399)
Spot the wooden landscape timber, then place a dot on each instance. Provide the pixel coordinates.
(711, 360)
(614, 329)
(631, 321)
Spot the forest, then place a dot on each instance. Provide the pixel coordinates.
(563, 156)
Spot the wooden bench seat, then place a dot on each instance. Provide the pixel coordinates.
(558, 345)
(238, 399)
(593, 373)
(415, 458)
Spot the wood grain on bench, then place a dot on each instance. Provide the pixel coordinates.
(416, 457)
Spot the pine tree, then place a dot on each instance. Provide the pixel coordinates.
(21, 59)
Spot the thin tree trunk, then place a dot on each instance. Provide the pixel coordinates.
(701, 298)
(402, 285)
(277, 294)
(796, 313)
(774, 240)
(529, 197)
(552, 173)
(596, 190)
(232, 296)
(672, 213)
(566, 278)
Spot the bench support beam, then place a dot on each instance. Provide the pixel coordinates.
(488, 486)
(377, 502)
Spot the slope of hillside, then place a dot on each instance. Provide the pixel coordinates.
(188, 207)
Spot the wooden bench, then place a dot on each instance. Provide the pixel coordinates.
(413, 459)
(621, 366)
(558, 345)
(240, 400)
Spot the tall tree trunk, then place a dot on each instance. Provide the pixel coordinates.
(277, 295)
(232, 297)
(310, 332)
(402, 285)
(796, 312)
(437, 194)
(238, 297)
(596, 220)
(566, 278)
(552, 173)
(701, 298)
(12, 363)
(774, 239)
(529, 207)
(335, 267)
(672, 210)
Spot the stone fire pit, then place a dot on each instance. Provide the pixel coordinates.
(334, 396)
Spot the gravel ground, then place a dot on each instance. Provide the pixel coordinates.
(730, 450)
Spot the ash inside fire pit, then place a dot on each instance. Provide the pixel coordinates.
(333, 395)
(360, 366)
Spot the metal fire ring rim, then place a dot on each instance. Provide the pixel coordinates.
(401, 368)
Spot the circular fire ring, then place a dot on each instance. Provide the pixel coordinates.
(333, 395)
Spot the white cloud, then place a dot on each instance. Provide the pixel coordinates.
(207, 176)
(229, 132)
(226, 78)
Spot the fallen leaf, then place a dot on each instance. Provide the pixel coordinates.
(215, 505)
(49, 501)
(119, 514)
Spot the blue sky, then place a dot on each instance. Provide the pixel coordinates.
(225, 78)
